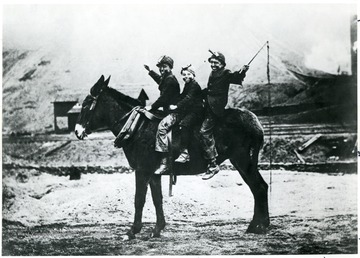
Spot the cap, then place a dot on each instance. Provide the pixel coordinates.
(165, 60)
(187, 68)
(218, 56)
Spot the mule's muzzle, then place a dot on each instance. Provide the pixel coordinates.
(80, 132)
(79, 136)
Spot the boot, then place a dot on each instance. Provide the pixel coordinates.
(183, 157)
(212, 170)
(163, 167)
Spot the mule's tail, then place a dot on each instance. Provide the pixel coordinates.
(257, 141)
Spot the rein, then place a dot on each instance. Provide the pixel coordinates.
(125, 116)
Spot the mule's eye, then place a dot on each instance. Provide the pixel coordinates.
(85, 103)
(94, 91)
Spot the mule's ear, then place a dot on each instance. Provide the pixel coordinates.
(94, 91)
(106, 83)
(101, 80)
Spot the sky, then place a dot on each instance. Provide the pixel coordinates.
(121, 38)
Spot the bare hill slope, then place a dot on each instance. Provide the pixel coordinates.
(33, 79)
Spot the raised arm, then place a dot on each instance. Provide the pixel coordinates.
(238, 77)
(153, 74)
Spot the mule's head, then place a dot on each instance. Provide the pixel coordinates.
(90, 117)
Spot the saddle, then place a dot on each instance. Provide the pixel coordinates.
(132, 124)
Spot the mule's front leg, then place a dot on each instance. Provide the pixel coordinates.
(156, 192)
(140, 196)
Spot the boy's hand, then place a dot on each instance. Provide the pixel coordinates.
(245, 68)
(147, 67)
(173, 107)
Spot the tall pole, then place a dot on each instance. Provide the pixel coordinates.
(269, 108)
(266, 43)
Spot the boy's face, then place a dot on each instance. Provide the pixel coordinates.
(187, 76)
(164, 68)
(215, 64)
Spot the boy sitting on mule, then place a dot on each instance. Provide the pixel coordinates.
(215, 101)
(186, 112)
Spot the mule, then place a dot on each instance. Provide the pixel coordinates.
(239, 139)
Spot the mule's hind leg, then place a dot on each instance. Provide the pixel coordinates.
(259, 188)
(156, 192)
(140, 196)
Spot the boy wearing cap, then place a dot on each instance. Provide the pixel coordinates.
(215, 102)
(186, 112)
(168, 84)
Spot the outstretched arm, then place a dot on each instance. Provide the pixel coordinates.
(238, 77)
(154, 75)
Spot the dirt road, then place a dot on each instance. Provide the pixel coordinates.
(50, 215)
(287, 235)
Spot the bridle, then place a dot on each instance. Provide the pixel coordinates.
(93, 103)
(91, 111)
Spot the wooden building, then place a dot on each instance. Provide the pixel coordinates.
(62, 105)
(73, 115)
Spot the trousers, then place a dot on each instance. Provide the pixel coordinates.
(207, 135)
(162, 141)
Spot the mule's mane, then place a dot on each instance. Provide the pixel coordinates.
(122, 98)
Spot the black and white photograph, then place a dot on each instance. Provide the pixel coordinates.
(179, 128)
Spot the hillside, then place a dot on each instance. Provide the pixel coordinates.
(33, 79)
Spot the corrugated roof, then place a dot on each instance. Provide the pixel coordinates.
(75, 109)
(67, 98)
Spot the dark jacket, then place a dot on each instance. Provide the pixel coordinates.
(169, 90)
(218, 88)
(190, 100)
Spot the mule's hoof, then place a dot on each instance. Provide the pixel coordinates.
(256, 229)
(128, 237)
(125, 238)
(155, 234)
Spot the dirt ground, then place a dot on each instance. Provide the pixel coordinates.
(311, 213)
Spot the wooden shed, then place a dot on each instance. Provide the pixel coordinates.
(62, 105)
(72, 115)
